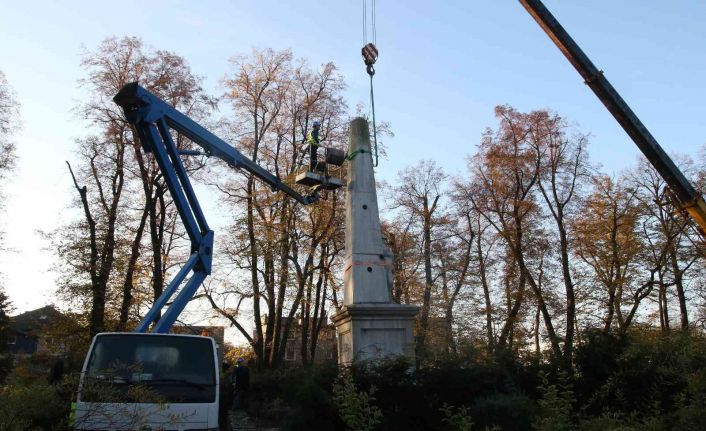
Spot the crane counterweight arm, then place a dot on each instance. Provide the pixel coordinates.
(688, 198)
(153, 119)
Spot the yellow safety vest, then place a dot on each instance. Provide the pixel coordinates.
(310, 139)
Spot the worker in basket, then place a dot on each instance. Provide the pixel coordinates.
(313, 140)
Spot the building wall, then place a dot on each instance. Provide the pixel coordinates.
(325, 346)
(20, 344)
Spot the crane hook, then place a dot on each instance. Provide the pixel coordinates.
(370, 56)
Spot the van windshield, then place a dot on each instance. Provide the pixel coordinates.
(150, 369)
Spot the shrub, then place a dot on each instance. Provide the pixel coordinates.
(617, 422)
(514, 412)
(555, 405)
(295, 398)
(36, 406)
(406, 404)
(645, 373)
(356, 408)
(457, 419)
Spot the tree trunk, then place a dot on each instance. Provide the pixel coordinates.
(428, 281)
(569, 288)
(156, 223)
(613, 276)
(254, 277)
(129, 276)
(679, 284)
(486, 294)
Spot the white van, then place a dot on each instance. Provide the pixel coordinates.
(135, 381)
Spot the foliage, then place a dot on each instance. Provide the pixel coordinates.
(32, 407)
(357, 408)
(505, 411)
(555, 404)
(105, 267)
(297, 398)
(232, 354)
(288, 252)
(457, 419)
(5, 358)
(617, 422)
(653, 382)
(404, 402)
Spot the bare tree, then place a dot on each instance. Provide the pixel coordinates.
(9, 124)
(104, 246)
(401, 238)
(287, 250)
(562, 164)
(505, 176)
(480, 254)
(455, 250)
(668, 235)
(417, 197)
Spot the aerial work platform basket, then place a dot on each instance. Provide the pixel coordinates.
(319, 178)
(318, 181)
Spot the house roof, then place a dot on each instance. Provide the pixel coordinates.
(32, 320)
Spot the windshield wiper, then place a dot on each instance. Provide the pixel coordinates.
(200, 386)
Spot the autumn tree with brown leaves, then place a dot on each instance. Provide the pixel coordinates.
(288, 252)
(416, 198)
(120, 192)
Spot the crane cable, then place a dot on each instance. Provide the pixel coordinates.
(370, 55)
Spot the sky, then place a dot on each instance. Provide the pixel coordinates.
(443, 66)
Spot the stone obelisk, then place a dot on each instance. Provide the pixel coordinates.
(369, 325)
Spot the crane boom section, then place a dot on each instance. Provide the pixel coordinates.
(153, 120)
(688, 198)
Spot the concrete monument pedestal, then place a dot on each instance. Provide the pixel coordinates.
(374, 331)
(369, 324)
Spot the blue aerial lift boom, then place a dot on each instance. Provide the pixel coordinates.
(182, 369)
(153, 119)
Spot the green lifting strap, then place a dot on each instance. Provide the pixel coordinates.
(353, 155)
(372, 105)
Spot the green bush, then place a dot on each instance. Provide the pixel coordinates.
(645, 373)
(295, 398)
(356, 408)
(36, 406)
(643, 380)
(690, 414)
(456, 419)
(404, 401)
(514, 412)
(613, 422)
(556, 404)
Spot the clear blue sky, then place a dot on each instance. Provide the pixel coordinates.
(443, 67)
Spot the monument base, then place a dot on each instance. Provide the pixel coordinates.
(374, 331)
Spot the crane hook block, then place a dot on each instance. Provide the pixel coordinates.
(370, 56)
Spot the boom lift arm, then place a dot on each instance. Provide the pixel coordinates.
(152, 119)
(687, 197)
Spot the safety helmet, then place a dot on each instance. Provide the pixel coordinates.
(317, 123)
